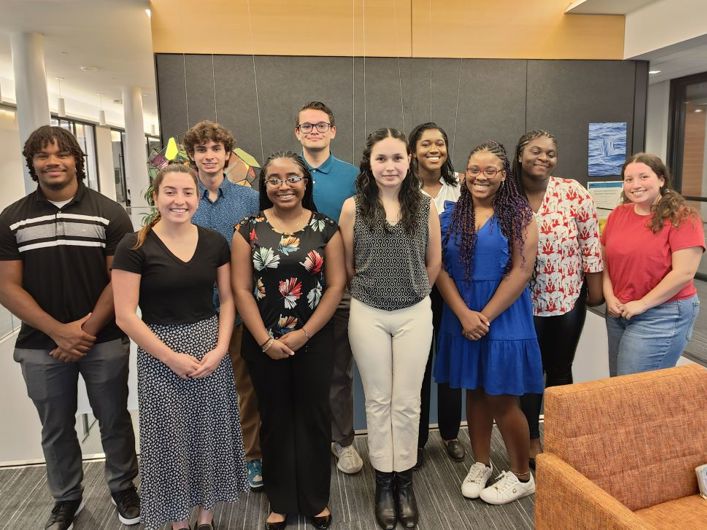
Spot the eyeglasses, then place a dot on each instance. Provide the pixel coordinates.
(276, 181)
(489, 171)
(307, 128)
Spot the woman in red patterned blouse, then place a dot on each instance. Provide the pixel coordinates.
(568, 267)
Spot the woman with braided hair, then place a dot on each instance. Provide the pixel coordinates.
(487, 343)
(568, 268)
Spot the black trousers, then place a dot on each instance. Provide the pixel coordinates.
(295, 430)
(558, 337)
(449, 404)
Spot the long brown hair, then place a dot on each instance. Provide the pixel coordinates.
(671, 206)
(156, 183)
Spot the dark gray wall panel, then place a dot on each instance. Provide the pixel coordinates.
(565, 96)
(491, 105)
(171, 94)
(236, 100)
(200, 87)
(473, 99)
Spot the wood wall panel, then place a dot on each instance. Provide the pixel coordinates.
(375, 28)
(386, 28)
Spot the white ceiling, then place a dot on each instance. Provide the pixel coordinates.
(114, 36)
(605, 7)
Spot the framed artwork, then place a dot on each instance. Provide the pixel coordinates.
(607, 149)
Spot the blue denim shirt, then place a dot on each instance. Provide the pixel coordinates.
(233, 203)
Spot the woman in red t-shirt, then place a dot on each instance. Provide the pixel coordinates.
(652, 246)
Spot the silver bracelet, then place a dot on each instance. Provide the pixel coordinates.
(305, 333)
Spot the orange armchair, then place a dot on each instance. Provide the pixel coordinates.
(621, 453)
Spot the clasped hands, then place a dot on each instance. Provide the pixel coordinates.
(72, 340)
(189, 367)
(628, 310)
(474, 325)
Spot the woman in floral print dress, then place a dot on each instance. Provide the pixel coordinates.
(288, 277)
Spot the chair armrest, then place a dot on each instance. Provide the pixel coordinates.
(565, 498)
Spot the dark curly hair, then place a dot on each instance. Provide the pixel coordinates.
(208, 131)
(523, 141)
(671, 206)
(414, 137)
(307, 200)
(509, 207)
(409, 195)
(49, 134)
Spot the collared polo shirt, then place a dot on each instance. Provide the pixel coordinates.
(63, 253)
(233, 203)
(334, 182)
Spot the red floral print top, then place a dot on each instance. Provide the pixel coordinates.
(568, 246)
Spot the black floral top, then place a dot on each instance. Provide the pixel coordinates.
(288, 270)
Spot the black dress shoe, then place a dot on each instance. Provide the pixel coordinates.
(276, 526)
(321, 521)
(455, 450)
(406, 503)
(386, 515)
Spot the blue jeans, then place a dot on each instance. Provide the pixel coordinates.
(652, 340)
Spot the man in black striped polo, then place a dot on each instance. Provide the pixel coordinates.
(56, 250)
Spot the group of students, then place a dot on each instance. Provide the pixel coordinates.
(479, 278)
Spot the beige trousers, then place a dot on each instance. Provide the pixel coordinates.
(391, 349)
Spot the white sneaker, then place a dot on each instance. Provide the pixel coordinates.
(507, 489)
(349, 461)
(476, 479)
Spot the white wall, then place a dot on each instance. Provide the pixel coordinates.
(657, 117)
(663, 23)
(12, 186)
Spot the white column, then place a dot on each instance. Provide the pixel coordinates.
(136, 178)
(30, 87)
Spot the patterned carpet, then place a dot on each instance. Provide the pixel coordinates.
(25, 501)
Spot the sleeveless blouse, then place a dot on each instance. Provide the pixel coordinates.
(389, 264)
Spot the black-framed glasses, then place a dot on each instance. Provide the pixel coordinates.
(489, 171)
(277, 181)
(307, 128)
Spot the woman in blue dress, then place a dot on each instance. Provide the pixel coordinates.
(487, 342)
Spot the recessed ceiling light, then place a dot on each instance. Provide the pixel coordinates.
(89, 68)
(653, 72)
(699, 110)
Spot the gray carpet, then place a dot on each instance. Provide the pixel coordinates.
(25, 502)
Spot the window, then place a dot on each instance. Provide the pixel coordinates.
(85, 134)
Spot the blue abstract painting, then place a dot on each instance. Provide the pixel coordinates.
(607, 148)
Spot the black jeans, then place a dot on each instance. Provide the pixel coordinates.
(558, 337)
(449, 404)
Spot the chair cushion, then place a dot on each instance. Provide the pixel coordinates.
(687, 512)
(639, 437)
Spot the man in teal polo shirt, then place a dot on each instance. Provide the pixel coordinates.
(334, 182)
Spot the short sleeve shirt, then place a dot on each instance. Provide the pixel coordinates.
(568, 247)
(63, 252)
(447, 193)
(334, 182)
(638, 259)
(288, 270)
(173, 291)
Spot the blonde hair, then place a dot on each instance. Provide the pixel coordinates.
(171, 168)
